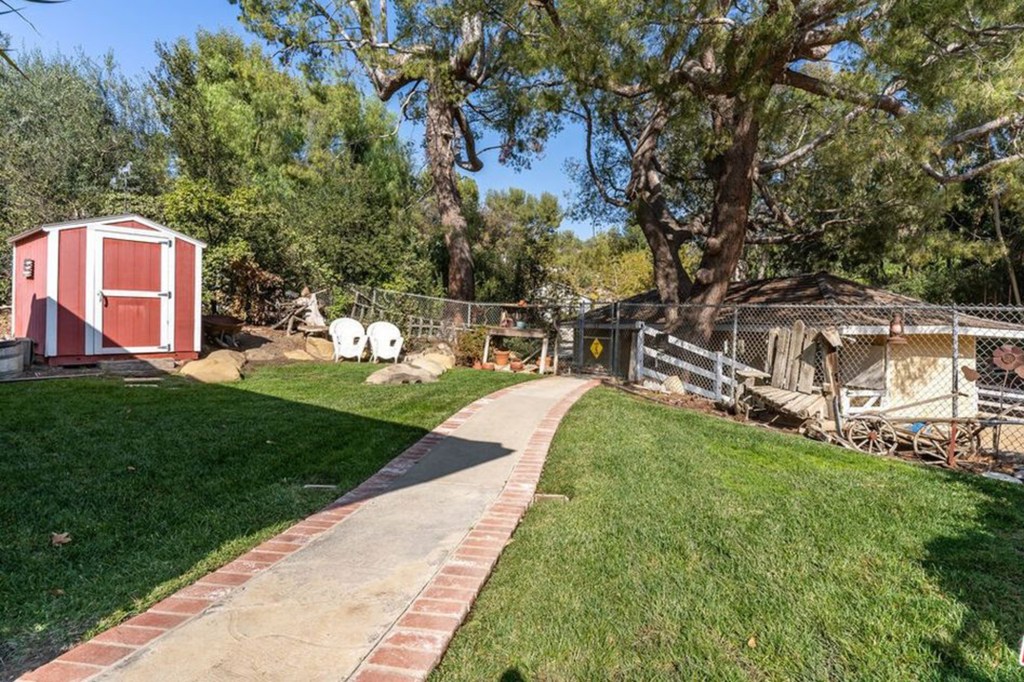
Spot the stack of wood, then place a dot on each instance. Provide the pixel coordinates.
(301, 312)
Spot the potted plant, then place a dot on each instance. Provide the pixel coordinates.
(501, 357)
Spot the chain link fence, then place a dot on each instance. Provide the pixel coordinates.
(942, 383)
(433, 318)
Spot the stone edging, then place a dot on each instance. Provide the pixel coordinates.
(111, 647)
(414, 645)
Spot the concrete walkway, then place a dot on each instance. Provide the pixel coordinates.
(322, 609)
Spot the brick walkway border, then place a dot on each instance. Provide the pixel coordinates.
(102, 652)
(411, 649)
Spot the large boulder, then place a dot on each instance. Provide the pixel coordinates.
(435, 368)
(233, 356)
(213, 370)
(266, 353)
(439, 352)
(400, 374)
(445, 360)
(320, 349)
(298, 355)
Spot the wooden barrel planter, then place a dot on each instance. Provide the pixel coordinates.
(15, 357)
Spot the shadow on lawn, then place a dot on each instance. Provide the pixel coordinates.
(157, 484)
(983, 569)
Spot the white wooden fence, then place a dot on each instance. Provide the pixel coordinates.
(716, 381)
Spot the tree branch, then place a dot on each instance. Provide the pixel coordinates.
(771, 165)
(472, 162)
(882, 102)
(944, 179)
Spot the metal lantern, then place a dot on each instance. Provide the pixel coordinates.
(896, 330)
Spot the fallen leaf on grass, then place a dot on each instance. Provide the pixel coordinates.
(752, 642)
(57, 592)
(58, 539)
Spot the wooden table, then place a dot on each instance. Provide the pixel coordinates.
(516, 333)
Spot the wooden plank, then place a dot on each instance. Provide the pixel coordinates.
(682, 364)
(806, 361)
(780, 361)
(796, 347)
(769, 356)
(697, 350)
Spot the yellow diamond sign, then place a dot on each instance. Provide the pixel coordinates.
(596, 348)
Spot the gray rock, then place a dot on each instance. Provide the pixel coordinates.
(445, 360)
(427, 364)
(1006, 478)
(400, 374)
(652, 385)
(674, 385)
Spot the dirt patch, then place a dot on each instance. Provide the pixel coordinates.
(269, 346)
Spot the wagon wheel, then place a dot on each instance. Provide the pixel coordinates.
(873, 435)
(932, 441)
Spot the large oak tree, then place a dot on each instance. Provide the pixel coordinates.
(945, 75)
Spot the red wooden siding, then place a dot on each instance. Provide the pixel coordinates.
(71, 277)
(30, 294)
(134, 224)
(130, 265)
(184, 296)
(131, 322)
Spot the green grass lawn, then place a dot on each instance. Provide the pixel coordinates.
(158, 486)
(699, 549)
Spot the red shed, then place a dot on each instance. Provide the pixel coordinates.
(108, 288)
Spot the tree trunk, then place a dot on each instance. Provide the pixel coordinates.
(670, 277)
(732, 171)
(655, 218)
(440, 135)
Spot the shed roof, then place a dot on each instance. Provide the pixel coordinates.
(105, 220)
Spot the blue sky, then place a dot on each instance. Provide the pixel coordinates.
(129, 29)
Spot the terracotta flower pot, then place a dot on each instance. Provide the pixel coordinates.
(501, 357)
(477, 364)
(517, 366)
(487, 366)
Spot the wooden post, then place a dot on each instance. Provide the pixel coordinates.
(956, 363)
(544, 354)
(579, 337)
(487, 346)
(613, 364)
(951, 453)
(718, 376)
(735, 358)
(638, 353)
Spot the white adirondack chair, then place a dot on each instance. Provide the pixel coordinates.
(385, 341)
(349, 339)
